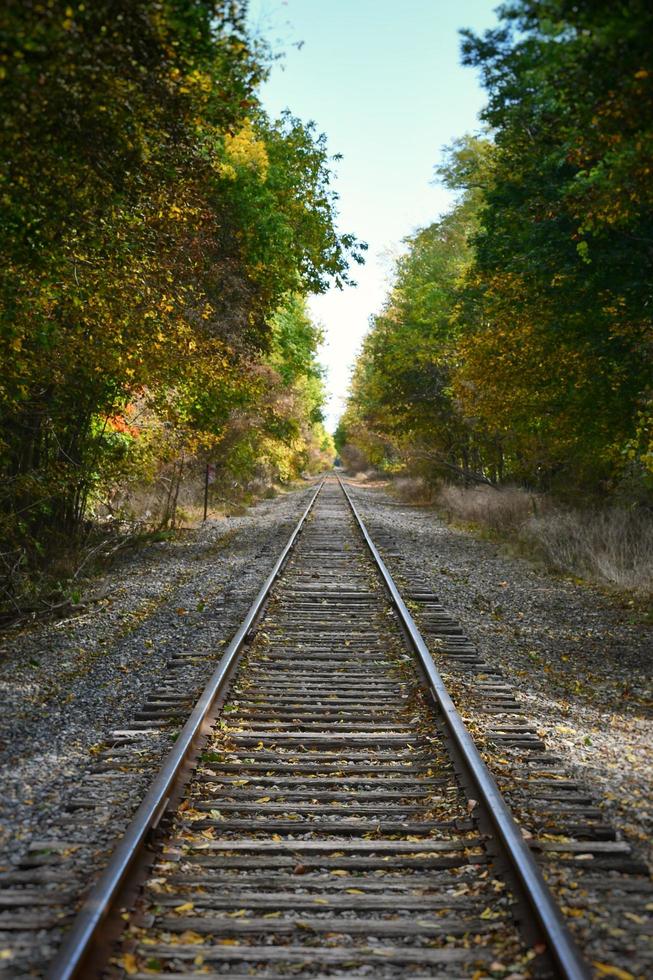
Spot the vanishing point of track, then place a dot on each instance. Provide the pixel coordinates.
(324, 812)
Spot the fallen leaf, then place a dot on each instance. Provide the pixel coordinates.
(487, 913)
(129, 963)
(607, 970)
(186, 907)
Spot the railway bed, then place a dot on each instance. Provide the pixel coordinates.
(327, 814)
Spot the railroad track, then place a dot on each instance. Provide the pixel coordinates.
(324, 811)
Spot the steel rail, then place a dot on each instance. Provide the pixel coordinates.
(79, 943)
(555, 934)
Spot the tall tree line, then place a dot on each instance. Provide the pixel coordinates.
(517, 340)
(160, 233)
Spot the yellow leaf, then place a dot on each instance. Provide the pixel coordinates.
(263, 799)
(639, 919)
(129, 964)
(607, 970)
(340, 872)
(228, 942)
(186, 907)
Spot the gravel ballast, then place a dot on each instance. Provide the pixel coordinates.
(579, 660)
(65, 685)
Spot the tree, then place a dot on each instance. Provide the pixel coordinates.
(559, 352)
(529, 355)
(154, 220)
(402, 405)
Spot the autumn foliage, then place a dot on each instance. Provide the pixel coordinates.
(160, 233)
(516, 342)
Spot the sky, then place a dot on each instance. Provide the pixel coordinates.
(383, 80)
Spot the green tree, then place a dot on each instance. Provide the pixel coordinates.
(402, 406)
(517, 339)
(154, 219)
(558, 354)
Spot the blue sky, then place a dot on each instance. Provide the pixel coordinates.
(383, 80)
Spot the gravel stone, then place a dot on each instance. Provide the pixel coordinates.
(65, 685)
(580, 659)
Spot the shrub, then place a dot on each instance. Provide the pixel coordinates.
(413, 490)
(504, 509)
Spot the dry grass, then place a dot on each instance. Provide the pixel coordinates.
(505, 510)
(612, 546)
(367, 477)
(152, 505)
(413, 490)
